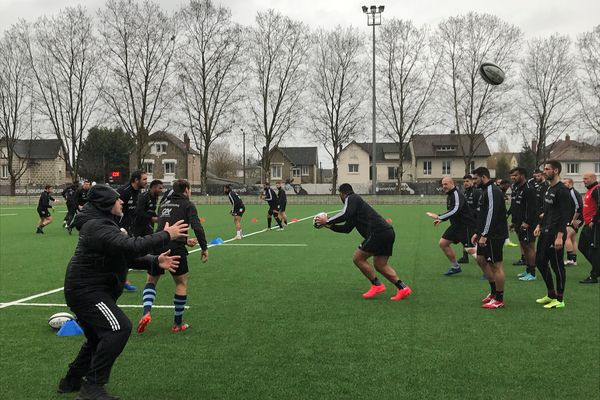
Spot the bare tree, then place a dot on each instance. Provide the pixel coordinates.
(65, 59)
(15, 100)
(140, 42)
(477, 109)
(222, 161)
(336, 89)
(210, 74)
(589, 96)
(410, 69)
(548, 75)
(279, 46)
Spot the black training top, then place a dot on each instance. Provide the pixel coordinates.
(360, 215)
(179, 207)
(235, 200)
(523, 205)
(68, 194)
(282, 197)
(558, 209)
(576, 203)
(491, 213)
(458, 212)
(145, 210)
(472, 195)
(81, 196)
(129, 195)
(270, 197)
(540, 192)
(44, 201)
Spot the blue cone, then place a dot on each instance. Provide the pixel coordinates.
(217, 240)
(70, 328)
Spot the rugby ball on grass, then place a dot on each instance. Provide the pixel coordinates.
(315, 224)
(491, 73)
(57, 320)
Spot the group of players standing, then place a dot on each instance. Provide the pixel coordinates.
(543, 208)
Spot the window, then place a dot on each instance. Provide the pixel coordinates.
(446, 167)
(392, 173)
(572, 168)
(4, 172)
(426, 167)
(276, 171)
(305, 171)
(158, 148)
(597, 168)
(170, 168)
(161, 148)
(446, 148)
(148, 168)
(296, 172)
(471, 166)
(353, 168)
(3, 152)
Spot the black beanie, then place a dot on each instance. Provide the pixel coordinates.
(103, 197)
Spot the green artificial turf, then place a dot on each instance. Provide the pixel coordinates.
(273, 322)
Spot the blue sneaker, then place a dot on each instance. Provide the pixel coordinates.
(522, 274)
(129, 287)
(453, 271)
(527, 277)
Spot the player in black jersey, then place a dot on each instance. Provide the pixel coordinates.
(552, 232)
(462, 223)
(282, 202)
(237, 209)
(45, 202)
(378, 241)
(270, 197)
(524, 219)
(472, 194)
(574, 224)
(145, 211)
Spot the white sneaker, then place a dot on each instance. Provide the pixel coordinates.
(238, 237)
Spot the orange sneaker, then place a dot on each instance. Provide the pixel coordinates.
(179, 328)
(402, 294)
(375, 289)
(144, 323)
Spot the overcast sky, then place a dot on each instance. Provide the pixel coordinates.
(536, 18)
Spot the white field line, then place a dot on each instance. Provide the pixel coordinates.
(7, 215)
(35, 296)
(266, 244)
(64, 305)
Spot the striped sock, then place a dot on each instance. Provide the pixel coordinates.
(179, 302)
(148, 297)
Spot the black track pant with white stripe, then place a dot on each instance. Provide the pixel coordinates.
(589, 246)
(106, 329)
(546, 253)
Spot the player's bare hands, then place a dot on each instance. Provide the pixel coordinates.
(192, 242)
(177, 230)
(482, 241)
(321, 219)
(204, 256)
(437, 222)
(170, 263)
(558, 243)
(474, 239)
(537, 231)
(575, 224)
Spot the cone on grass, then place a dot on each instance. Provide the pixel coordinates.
(70, 328)
(294, 219)
(254, 219)
(202, 219)
(388, 220)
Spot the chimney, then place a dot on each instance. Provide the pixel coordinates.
(186, 140)
(567, 138)
(534, 146)
(452, 131)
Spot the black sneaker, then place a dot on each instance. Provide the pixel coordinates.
(91, 391)
(463, 260)
(589, 279)
(39, 230)
(69, 384)
(519, 262)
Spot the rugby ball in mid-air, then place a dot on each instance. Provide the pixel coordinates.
(57, 320)
(491, 73)
(315, 223)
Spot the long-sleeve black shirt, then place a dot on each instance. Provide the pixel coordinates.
(360, 215)
(558, 209)
(235, 200)
(45, 200)
(281, 198)
(523, 205)
(179, 207)
(458, 212)
(129, 195)
(491, 213)
(68, 194)
(270, 197)
(472, 195)
(81, 196)
(540, 192)
(576, 202)
(145, 210)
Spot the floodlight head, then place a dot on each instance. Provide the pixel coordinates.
(381, 8)
(365, 9)
(373, 9)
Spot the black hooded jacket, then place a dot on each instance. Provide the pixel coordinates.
(104, 254)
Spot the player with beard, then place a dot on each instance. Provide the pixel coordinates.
(524, 219)
(576, 221)
(472, 194)
(589, 240)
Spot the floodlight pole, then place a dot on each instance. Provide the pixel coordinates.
(373, 19)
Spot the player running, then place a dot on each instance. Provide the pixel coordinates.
(179, 207)
(492, 231)
(68, 194)
(552, 232)
(45, 202)
(378, 241)
(237, 210)
(524, 219)
(282, 203)
(270, 197)
(145, 210)
(462, 223)
(472, 194)
(574, 224)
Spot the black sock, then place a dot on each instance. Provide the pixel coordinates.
(400, 284)
(570, 255)
(179, 303)
(552, 294)
(492, 287)
(523, 257)
(269, 220)
(559, 296)
(375, 281)
(531, 269)
(278, 222)
(575, 257)
(499, 296)
(465, 254)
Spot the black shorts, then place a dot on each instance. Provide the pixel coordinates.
(575, 229)
(282, 207)
(273, 209)
(492, 251)
(459, 234)
(155, 270)
(525, 235)
(43, 213)
(379, 243)
(238, 212)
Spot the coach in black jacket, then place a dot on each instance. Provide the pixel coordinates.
(94, 281)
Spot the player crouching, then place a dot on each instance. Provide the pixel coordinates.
(379, 240)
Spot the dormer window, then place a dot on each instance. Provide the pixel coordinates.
(446, 148)
(158, 148)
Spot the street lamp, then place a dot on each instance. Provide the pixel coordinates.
(373, 19)
(244, 154)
